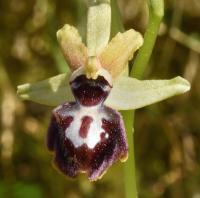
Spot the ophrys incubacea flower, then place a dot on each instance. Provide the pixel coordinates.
(86, 132)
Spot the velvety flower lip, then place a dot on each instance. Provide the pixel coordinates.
(87, 136)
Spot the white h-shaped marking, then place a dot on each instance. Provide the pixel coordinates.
(95, 130)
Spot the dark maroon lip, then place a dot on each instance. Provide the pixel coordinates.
(90, 92)
(84, 139)
(71, 160)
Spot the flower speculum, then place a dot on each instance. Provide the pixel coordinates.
(86, 135)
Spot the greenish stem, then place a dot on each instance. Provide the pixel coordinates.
(128, 116)
(129, 165)
(156, 12)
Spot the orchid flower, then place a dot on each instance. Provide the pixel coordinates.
(86, 131)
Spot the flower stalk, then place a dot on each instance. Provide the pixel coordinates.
(156, 12)
(129, 166)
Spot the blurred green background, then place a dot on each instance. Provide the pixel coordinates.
(166, 134)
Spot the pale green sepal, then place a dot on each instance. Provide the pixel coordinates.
(129, 93)
(98, 28)
(52, 91)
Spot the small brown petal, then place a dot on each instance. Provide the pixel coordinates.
(74, 50)
(119, 51)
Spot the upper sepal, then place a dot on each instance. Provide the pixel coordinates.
(98, 27)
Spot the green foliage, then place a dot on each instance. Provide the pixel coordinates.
(23, 190)
(20, 190)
